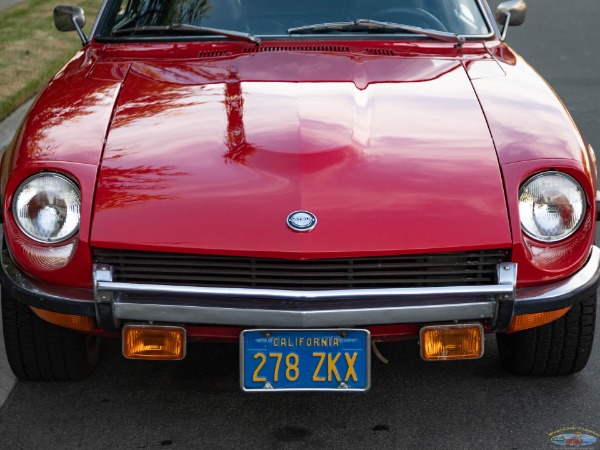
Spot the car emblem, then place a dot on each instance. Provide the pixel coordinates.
(301, 221)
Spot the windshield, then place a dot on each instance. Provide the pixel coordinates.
(126, 19)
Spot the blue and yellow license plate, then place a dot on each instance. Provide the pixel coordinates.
(305, 360)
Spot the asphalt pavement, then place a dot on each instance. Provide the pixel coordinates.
(7, 379)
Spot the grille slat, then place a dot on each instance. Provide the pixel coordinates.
(339, 284)
(266, 273)
(443, 269)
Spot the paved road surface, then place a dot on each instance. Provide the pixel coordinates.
(5, 4)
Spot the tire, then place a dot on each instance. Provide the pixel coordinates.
(561, 347)
(40, 351)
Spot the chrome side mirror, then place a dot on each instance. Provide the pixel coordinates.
(511, 13)
(70, 18)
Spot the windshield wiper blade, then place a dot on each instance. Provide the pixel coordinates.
(185, 28)
(368, 25)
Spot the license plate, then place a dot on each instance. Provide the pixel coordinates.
(305, 360)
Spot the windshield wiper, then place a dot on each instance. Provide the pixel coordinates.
(370, 25)
(185, 28)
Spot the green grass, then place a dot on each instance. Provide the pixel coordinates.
(32, 50)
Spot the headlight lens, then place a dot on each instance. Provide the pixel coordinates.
(551, 206)
(46, 207)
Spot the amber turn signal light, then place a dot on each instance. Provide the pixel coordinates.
(79, 323)
(154, 342)
(526, 321)
(448, 342)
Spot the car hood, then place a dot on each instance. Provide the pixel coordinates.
(392, 156)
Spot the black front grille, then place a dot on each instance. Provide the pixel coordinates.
(441, 269)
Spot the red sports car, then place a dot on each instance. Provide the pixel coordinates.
(307, 179)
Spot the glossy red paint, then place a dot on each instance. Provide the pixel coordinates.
(525, 116)
(69, 119)
(528, 143)
(213, 334)
(390, 333)
(379, 333)
(386, 151)
(64, 132)
(395, 143)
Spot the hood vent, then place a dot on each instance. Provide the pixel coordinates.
(313, 48)
(298, 48)
(380, 51)
(213, 54)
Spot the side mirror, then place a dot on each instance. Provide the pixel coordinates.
(70, 18)
(511, 13)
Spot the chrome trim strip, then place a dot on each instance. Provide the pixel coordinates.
(303, 319)
(489, 290)
(103, 7)
(489, 17)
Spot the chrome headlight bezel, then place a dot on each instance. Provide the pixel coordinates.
(74, 218)
(574, 194)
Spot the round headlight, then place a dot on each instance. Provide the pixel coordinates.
(46, 207)
(551, 206)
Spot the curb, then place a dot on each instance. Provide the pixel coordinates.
(8, 128)
(6, 4)
(11, 124)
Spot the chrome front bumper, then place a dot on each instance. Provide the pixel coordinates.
(113, 303)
